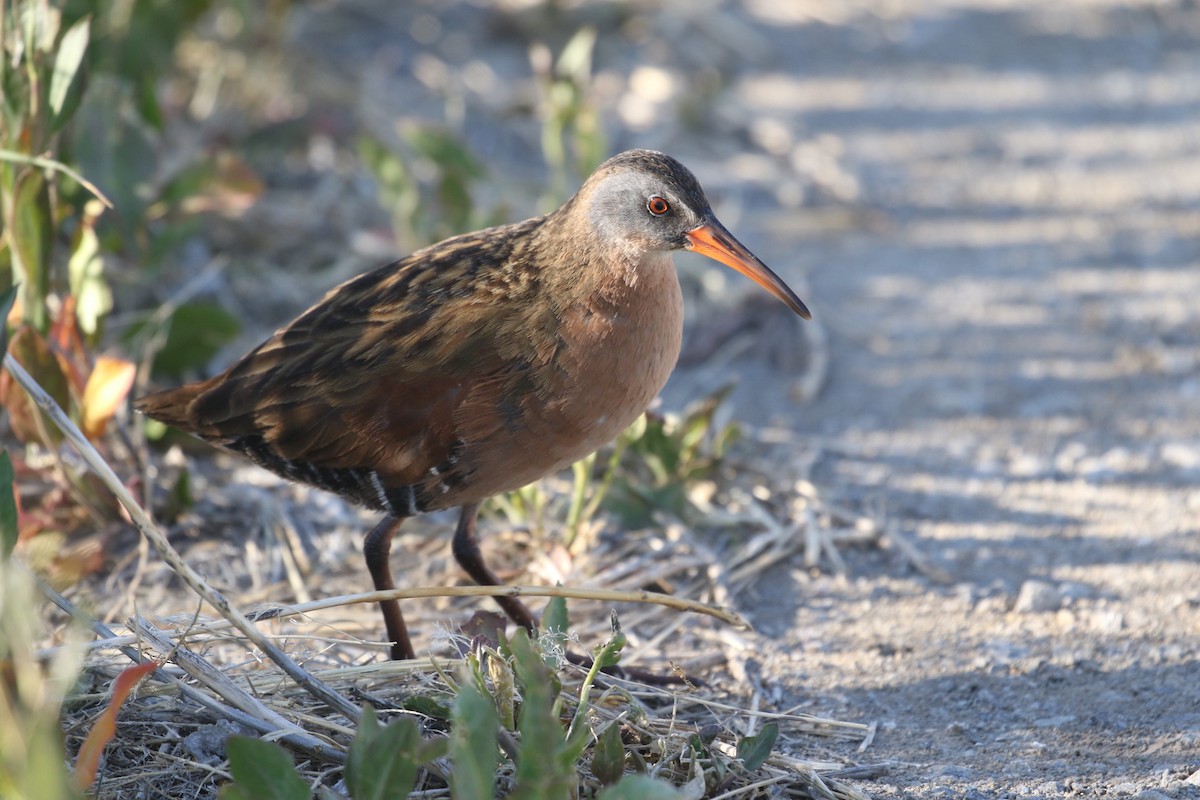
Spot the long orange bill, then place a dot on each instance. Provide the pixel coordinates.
(712, 240)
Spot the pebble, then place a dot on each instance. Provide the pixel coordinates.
(1036, 597)
(1180, 454)
(1108, 621)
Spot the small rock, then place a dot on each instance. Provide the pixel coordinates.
(207, 743)
(1151, 794)
(1180, 454)
(1037, 597)
(1108, 621)
(951, 771)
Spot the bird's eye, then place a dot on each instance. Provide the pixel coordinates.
(657, 206)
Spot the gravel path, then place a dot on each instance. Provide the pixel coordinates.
(1007, 257)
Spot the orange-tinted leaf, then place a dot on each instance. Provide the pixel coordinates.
(33, 352)
(106, 390)
(105, 727)
(66, 338)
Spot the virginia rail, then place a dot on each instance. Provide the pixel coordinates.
(476, 365)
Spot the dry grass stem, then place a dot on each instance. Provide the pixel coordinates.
(159, 541)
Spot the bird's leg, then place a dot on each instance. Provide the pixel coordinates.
(470, 558)
(377, 547)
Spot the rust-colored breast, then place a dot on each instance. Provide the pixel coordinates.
(612, 353)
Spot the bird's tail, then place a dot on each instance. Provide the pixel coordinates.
(172, 406)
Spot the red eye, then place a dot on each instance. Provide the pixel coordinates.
(657, 206)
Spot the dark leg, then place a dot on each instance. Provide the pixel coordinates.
(469, 557)
(377, 547)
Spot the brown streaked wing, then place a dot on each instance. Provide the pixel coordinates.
(388, 371)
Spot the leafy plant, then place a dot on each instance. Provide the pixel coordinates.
(506, 687)
(190, 335)
(41, 75)
(32, 758)
(39, 87)
(427, 181)
(135, 40)
(262, 771)
(69, 73)
(573, 141)
(665, 457)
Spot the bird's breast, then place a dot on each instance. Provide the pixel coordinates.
(607, 356)
(617, 351)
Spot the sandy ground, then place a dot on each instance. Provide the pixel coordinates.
(993, 207)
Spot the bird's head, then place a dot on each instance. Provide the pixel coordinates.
(643, 201)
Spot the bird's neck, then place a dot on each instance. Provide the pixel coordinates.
(581, 268)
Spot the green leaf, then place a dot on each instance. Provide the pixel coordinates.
(85, 269)
(71, 50)
(473, 746)
(755, 750)
(446, 151)
(542, 772)
(368, 732)
(640, 787)
(262, 771)
(197, 331)
(146, 94)
(427, 706)
(383, 763)
(608, 756)
(40, 23)
(6, 302)
(31, 237)
(8, 507)
(179, 498)
(575, 61)
(554, 618)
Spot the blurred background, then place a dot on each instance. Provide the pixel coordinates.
(992, 208)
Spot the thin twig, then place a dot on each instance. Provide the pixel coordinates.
(49, 163)
(604, 595)
(165, 551)
(219, 684)
(292, 735)
(891, 531)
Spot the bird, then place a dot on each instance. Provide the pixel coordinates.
(476, 365)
